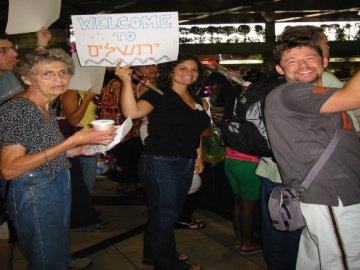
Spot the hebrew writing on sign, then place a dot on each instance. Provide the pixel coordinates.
(134, 38)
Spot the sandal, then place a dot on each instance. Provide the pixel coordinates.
(101, 227)
(191, 266)
(253, 250)
(193, 224)
(237, 244)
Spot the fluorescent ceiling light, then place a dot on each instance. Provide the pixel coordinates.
(241, 61)
(342, 59)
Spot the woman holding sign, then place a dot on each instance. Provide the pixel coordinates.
(172, 152)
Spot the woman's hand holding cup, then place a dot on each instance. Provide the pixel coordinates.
(94, 136)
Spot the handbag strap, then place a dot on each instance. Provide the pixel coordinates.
(321, 161)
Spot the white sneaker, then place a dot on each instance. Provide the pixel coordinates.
(80, 263)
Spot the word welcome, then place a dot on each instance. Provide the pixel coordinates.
(140, 38)
(125, 22)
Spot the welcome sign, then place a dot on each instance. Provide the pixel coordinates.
(134, 38)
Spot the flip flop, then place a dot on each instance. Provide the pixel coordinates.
(191, 266)
(101, 227)
(194, 224)
(250, 251)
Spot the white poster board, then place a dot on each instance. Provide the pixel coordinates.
(29, 16)
(357, 114)
(86, 77)
(133, 38)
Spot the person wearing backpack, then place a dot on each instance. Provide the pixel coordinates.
(240, 172)
(239, 167)
(280, 249)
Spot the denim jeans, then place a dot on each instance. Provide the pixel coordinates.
(166, 181)
(280, 248)
(39, 205)
(88, 168)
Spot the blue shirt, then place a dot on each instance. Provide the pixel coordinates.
(9, 85)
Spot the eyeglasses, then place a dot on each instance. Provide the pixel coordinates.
(48, 75)
(5, 50)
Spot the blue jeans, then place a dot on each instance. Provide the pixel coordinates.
(280, 248)
(39, 205)
(88, 168)
(166, 181)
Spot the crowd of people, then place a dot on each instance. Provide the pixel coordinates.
(42, 171)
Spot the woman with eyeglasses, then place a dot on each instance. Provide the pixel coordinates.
(34, 166)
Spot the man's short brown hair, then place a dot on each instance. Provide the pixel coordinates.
(294, 42)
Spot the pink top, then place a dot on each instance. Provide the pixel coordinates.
(233, 154)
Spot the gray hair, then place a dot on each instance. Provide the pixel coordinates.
(29, 61)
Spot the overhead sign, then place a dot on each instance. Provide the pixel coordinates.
(135, 38)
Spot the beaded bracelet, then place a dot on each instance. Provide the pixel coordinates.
(40, 47)
(68, 154)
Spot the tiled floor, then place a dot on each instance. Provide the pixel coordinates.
(211, 247)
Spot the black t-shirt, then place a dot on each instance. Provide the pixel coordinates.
(174, 127)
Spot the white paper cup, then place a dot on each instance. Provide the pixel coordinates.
(102, 125)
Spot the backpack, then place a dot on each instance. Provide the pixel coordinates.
(108, 107)
(244, 129)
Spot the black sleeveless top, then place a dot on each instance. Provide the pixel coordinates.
(174, 127)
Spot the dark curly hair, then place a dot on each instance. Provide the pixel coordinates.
(3, 35)
(166, 69)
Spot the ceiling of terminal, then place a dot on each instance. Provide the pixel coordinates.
(215, 11)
